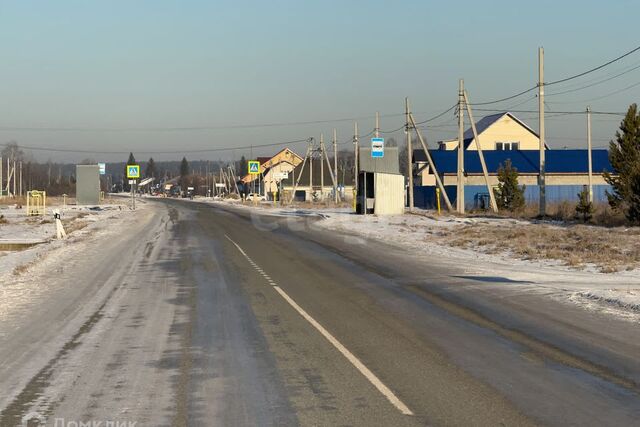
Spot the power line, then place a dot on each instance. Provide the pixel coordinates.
(186, 128)
(439, 115)
(205, 150)
(593, 84)
(575, 76)
(599, 67)
(600, 97)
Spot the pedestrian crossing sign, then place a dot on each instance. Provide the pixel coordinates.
(133, 171)
(254, 167)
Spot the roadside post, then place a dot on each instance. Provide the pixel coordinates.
(279, 176)
(438, 199)
(60, 233)
(254, 171)
(133, 173)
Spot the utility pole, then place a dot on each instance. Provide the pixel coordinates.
(321, 167)
(460, 186)
(377, 129)
(432, 165)
(335, 165)
(476, 138)
(355, 163)
(541, 178)
(589, 154)
(409, 154)
(311, 149)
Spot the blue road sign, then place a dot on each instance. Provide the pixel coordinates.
(254, 167)
(133, 171)
(377, 147)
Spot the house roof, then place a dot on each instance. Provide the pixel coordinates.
(263, 160)
(525, 161)
(484, 123)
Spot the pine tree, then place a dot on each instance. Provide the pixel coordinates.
(624, 156)
(184, 167)
(242, 167)
(184, 172)
(584, 208)
(150, 171)
(509, 195)
(131, 161)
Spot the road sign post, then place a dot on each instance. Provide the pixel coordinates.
(254, 167)
(133, 173)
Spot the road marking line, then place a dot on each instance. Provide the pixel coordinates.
(373, 379)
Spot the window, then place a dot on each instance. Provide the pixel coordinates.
(507, 146)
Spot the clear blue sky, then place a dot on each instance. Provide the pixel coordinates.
(148, 64)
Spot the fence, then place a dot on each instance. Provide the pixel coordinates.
(477, 197)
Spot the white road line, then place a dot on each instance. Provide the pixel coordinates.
(373, 379)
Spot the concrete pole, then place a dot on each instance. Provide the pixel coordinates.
(335, 165)
(377, 129)
(311, 171)
(15, 194)
(541, 177)
(321, 167)
(476, 138)
(355, 148)
(1, 180)
(589, 154)
(20, 186)
(460, 181)
(409, 154)
(431, 163)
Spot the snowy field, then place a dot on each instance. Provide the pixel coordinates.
(24, 273)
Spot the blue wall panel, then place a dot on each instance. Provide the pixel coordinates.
(476, 196)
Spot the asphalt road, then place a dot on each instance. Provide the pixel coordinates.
(202, 315)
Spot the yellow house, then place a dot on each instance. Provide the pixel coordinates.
(273, 170)
(502, 131)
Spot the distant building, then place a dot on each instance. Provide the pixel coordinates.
(566, 173)
(272, 170)
(503, 136)
(502, 131)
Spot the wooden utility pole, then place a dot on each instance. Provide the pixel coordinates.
(460, 180)
(589, 154)
(335, 165)
(431, 164)
(541, 177)
(476, 138)
(409, 154)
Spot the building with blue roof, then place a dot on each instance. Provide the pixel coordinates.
(566, 170)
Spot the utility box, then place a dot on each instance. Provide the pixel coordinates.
(87, 184)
